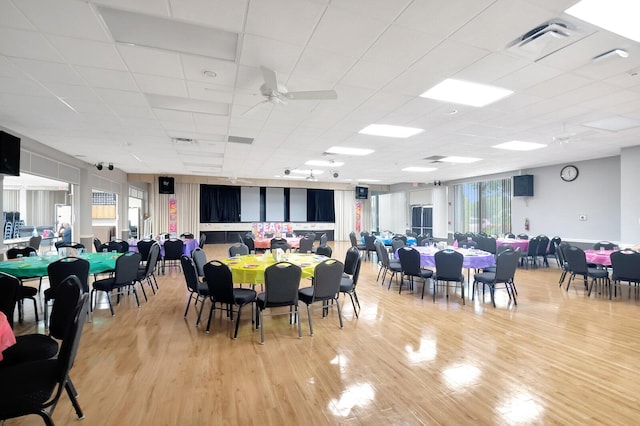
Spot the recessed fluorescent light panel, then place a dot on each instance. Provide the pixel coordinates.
(614, 124)
(466, 93)
(419, 169)
(461, 160)
(186, 104)
(520, 146)
(162, 33)
(390, 131)
(617, 16)
(322, 163)
(349, 151)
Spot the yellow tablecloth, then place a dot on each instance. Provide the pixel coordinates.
(250, 269)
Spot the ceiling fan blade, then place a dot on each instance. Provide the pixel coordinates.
(270, 78)
(254, 108)
(311, 95)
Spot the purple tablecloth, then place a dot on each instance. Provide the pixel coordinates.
(475, 259)
(189, 245)
(523, 244)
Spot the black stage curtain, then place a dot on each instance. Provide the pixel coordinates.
(219, 203)
(320, 207)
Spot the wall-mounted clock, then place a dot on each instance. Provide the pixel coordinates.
(569, 173)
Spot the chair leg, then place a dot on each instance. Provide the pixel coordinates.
(213, 307)
(310, 323)
(260, 323)
(188, 304)
(297, 313)
(72, 396)
(339, 312)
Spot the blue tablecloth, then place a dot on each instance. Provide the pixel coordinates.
(387, 241)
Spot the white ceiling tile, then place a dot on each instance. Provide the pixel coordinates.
(152, 7)
(371, 74)
(557, 85)
(161, 85)
(298, 18)
(145, 60)
(195, 66)
(121, 97)
(527, 77)
(11, 17)
(378, 9)
(273, 54)
(107, 79)
(224, 14)
(491, 68)
(88, 52)
(133, 111)
(173, 116)
(49, 71)
(8, 69)
(73, 92)
(323, 65)
(402, 46)
(27, 44)
(346, 33)
(209, 92)
(19, 85)
(67, 18)
(442, 18)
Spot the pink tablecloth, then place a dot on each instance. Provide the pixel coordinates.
(265, 243)
(523, 244)
(7, 338)
(599, 257)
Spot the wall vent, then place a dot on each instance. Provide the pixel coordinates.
(240, 139)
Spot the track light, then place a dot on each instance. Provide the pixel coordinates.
(287, 172)
(99, 166)
(110, 166)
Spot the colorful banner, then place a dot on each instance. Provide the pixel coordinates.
(275, 228)
(358, 215)
(173, 215)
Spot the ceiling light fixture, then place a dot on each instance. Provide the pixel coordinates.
(209, 73)
(519, 146)
(349, 151)
(466, 93)
(99, 166)
(621, 53)
(617, 16)
(110, 167)
(390, 131)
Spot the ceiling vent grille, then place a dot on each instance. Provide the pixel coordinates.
(545, 39)
(184, 141)
(240, 139)
(434, 159)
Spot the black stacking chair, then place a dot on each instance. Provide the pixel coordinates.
(219, 279)
(543, 247)
(58, 271)
(25, 291)
(562, 261)
(200, 259)
(506, 265)
(117, 246)
(8, 295)
(35, 387)
(324, 251)
(198, 291)
(605, 245)
(348, 283)
(577, 261)
(248, 241)
(144, 246)
(552, 249)
(626, 267)
(202, 241)
(522, 236)
(97, 245)
(279, 243)
(532, 253)
(172, 252)
(354, 242)
(306, 245)
(327, 278)
(410, 263)
(448, 269)
(388, 266)
(125, 276)
(369, 245)
(281, 282)
(238, 249)
(147, 273)
(323, 242)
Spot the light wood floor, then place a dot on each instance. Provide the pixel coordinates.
(557, 358)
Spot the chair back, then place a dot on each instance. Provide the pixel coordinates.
(327, 277)
(383, 256)
(13, 252)
(369, 241)
(306, 245)
(510, 235)
(485, 243)
(97, 245)
(356, 273)
(506, 265)
(281, 282)
(114, 246)
(186, 235)
(409, 261)
(523, 237)
(449, 265)
(576, 259)
(351, 260)
(173, 249)
(279, 242)
(199, 259)
(190, 272)
(606, 245)
(35, 241)
(552, 245)
(543, 245)
(397, 243)
(560, 248)
(353, 239)
(144, 246)
(626, 265)
(533, 247)
(220, 282)
(248, 241)
(8, 295)
(459, 236)
(324, 251)
(152, 260)
(503, 247)
(323, 239)
(59, 270)
(68, 291)
(238, 249)
(127, 268)
(203, 240)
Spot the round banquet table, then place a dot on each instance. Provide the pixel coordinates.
(473, 258)
(265, 243)
(249, 269)
(411, 241)
(599, 257)
(36, 266)
(190, 245)
(7, 338)
(515, 243)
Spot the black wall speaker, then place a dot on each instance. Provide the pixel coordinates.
(165, 185)
(9, 154)
(523, 186)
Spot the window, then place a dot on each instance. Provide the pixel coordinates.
(483, 207)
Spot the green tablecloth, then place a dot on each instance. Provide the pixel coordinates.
(37, 266)
(249, 269)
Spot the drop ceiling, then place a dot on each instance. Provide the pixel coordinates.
(74, 77)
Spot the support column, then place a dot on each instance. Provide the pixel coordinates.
(82, 209)
(440, 211)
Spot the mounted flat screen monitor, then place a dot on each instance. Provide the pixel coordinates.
(9, 154)
(165, 185)
(523, 186)
(362, 192)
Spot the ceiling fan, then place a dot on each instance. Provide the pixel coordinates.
(275, 93)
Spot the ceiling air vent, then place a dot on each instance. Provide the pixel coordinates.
(184, 141)
(545, 39)
(240, 139)
(434, 158)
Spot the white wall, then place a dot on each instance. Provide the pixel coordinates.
(393, 212)
(630, 202)
(556, 206)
